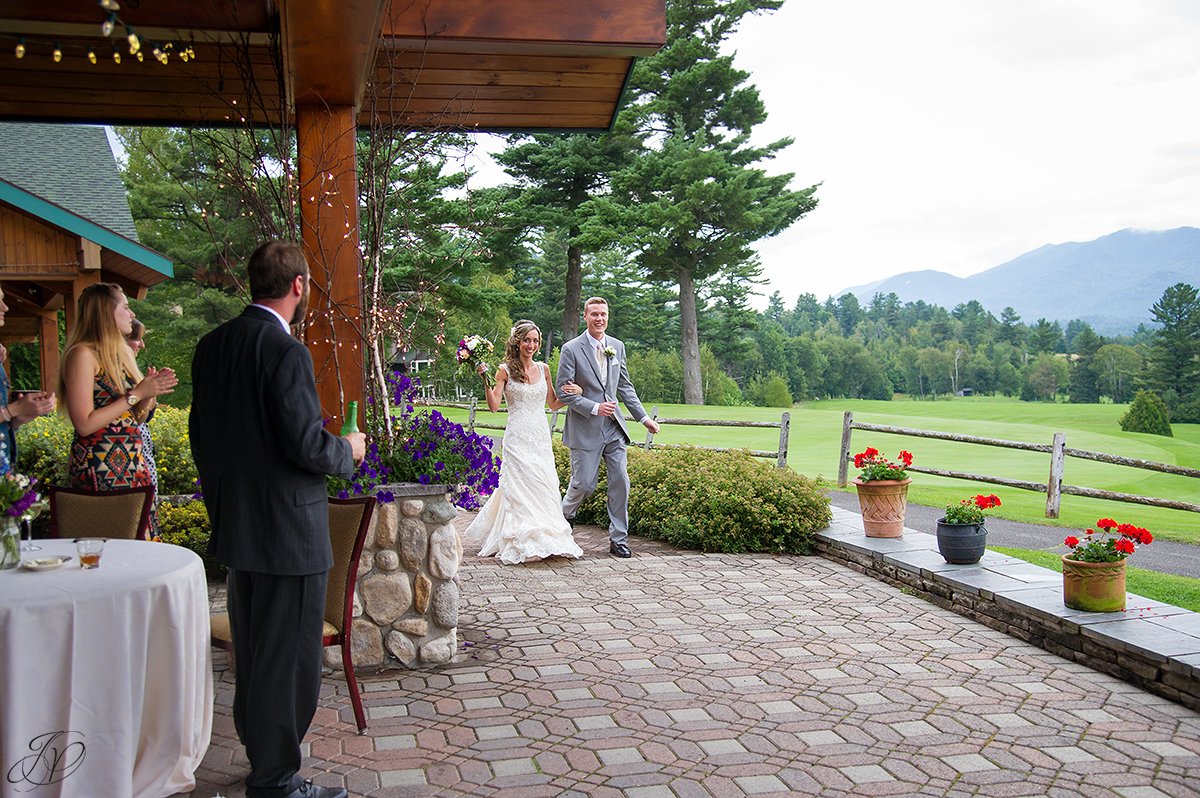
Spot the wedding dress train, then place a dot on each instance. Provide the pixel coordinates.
(522, 520)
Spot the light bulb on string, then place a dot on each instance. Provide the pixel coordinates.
(116, 55)
(110, 5)
(109, 23)
(140, 57)
(135, 44)
(91, 55)
(57, 55)
(20, 48)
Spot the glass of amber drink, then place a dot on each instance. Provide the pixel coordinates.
(89, 550)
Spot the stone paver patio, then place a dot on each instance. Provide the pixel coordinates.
(679, 674)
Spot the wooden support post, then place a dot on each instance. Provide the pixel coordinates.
(471, 414)
(1054, 483)
(328, 170)
(784, 424)
(844, 455)
(48, 349)
(650, 435)
(71, 301)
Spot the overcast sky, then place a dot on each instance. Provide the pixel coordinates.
(958, 134)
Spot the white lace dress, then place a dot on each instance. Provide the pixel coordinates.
(522, 520)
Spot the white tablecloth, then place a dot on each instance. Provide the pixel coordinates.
(105, 675)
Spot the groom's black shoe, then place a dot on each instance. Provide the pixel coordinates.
(571, 521)
(310, 790)
(619, 550)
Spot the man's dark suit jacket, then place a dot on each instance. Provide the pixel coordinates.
(261, 450)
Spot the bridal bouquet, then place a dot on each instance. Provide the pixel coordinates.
(471, 351)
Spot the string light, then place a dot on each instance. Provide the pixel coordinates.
(135, 44)
(57, 53)
(91, 55)
(109, 23)
(110, 5)
(20, 49)
(116, 55)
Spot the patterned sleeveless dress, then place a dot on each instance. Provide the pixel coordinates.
(110, 458)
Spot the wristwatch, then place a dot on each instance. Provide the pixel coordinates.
(132, 399)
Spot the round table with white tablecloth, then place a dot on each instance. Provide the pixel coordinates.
(105, 675)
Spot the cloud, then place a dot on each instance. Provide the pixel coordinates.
(955, 136)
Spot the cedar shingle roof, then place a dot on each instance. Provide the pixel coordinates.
(71, 166)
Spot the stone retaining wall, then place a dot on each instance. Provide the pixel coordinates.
(407, 599)
(1153, 645)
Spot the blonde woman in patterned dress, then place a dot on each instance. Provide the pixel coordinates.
(522, 520)
(105, 394)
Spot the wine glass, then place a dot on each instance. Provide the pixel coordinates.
(27, 531)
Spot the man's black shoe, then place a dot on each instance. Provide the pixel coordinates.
(571, 521)
(310, 790)
(619, 550)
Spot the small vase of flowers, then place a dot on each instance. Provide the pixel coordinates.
(18, 502)
(961, 535)
(882, 487)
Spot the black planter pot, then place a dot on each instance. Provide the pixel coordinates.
(961, 544)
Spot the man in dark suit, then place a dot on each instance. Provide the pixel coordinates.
(263, 453)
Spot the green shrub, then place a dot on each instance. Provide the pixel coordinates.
(186, 524)
(776, 393)
(173, 451)
(1148, 413)
(712, 501)
(43, 447)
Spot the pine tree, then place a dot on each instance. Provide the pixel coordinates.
(694, 203)
(1173, 363)
(1149, 414)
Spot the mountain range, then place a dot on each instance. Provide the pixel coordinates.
(1111, 283)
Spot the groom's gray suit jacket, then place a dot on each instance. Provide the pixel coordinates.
(577, 362)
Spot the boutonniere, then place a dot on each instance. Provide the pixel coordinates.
(610, 352)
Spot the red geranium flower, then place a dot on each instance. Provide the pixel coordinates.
(970, 511)
(1114, 542)
(874, 466)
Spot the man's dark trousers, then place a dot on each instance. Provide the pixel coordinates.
(274, 706)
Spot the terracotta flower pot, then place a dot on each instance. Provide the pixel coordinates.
(961, 544)
(1094, 586)
(883, 502)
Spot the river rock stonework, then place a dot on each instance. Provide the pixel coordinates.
(406, 600)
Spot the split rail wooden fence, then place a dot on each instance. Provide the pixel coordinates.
(778, 455)
(1058, 451)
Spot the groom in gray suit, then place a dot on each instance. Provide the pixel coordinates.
(594, 425)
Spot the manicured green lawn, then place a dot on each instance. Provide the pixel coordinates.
(1179, 591)
(816, 434)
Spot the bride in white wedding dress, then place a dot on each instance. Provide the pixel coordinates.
(522, 519)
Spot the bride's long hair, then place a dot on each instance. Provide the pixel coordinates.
(512, 349)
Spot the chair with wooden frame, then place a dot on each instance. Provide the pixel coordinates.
(119, 514)
(349, 520)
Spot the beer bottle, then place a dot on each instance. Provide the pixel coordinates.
(351, 423)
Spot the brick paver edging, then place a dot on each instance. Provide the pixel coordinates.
(1152, 645)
